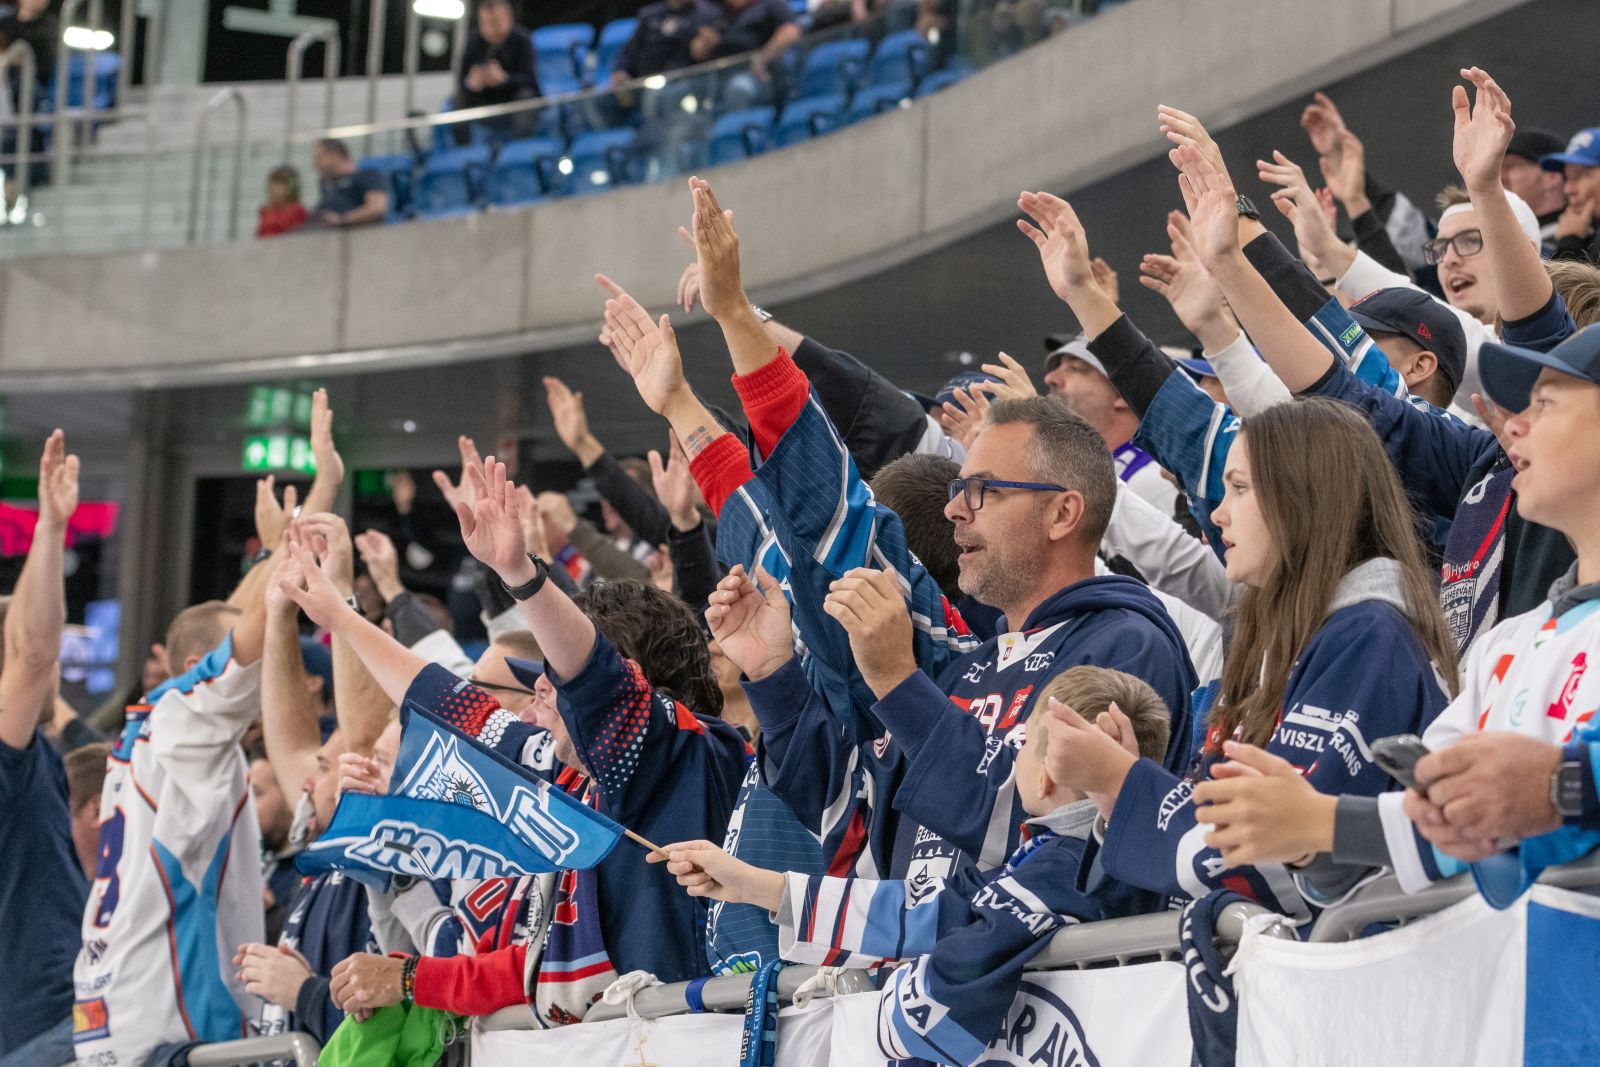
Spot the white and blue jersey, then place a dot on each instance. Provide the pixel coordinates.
(178, 884)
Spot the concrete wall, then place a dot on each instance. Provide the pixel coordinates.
(1058, 116)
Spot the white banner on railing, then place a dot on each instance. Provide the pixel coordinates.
(1469, 987)
(1116, 1017)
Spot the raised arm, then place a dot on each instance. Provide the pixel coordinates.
(38, 611)
(716, 248)
(288, 717)
(330, 465)
(360, 702)
(1482, 135)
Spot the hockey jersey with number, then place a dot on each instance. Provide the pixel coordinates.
(177, 886)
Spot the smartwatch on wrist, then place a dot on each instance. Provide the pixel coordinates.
(1244, 206)
(354, 602)
(1566, 788)
(541, 572)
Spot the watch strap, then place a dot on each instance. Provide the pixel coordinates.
(1246, 207)
(525, 591)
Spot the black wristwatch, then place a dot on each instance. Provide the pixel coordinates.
(1566, 788)
(525, 591)
(1246, 208)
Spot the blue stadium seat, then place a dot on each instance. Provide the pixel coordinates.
(804, 119)
(106, 67)
(524, 171)
(833, 68)
(399, 172)
(739, 134)
(940, 79)
(875, 99)
(904, 57)
(613, 36)
(561, 53)
(451, 181)
(598, 160)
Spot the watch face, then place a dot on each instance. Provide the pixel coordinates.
(1568, 789)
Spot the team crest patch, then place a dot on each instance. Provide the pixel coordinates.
(91, 1019)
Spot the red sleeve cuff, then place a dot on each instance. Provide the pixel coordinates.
(472, 985)
(720, 470)
(773, 398)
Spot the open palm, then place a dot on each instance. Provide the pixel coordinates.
(751, 622)
(58, 481)
(648, 350)
(490, 527)
(1483, 130)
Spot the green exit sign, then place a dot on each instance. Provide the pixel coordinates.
(269, 405)
(279, 452)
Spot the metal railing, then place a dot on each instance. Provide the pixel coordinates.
(1383, 901)
(68, 127)
(294, 69)
(296, 1048)
(200, 182)
(20, 53)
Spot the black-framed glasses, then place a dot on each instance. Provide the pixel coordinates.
(495, 687)
(971, 490)
(1466, 243)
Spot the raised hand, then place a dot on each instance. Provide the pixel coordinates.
(362, 774)
(533, 535)
(1297, 202)
(648, 350)
(1183, 281)
(1324, 125)
(1483, 131)
(675, 486)
(964, 418)
(869, 605)
(1182, 128)
(272, 519)
(556, 519)
(300, 578)
(330, 539)
(330, 465)
(1346, 174)
(1106, 278)
(750, 622)
(689, 280)
(460, 491)
(716, 249)
(1014, 382)
(382, 562)
(58, 482)
(1212, 206)
(490, 527)
(572, 422)
(1062, 244)
(402, 490)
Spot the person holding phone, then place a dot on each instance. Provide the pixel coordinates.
(1338, 641)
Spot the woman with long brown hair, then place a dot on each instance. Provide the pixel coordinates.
(1338, 640)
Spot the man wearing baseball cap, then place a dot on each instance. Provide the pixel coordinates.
(1074, 374)
(1579, 165)
(1521, 173)
(1422, 340)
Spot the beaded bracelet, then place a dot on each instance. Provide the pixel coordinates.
(408, 977)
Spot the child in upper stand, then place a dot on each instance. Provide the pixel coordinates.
(968, 936)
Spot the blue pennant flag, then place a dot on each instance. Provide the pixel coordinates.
(458, 809)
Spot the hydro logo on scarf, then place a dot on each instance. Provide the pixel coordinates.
(1039, 1030)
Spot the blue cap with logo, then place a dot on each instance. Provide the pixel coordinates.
(967, 379)
(1509, 372)
(1413, 313)
(1583, 149)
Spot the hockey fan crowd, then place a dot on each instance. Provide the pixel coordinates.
(874, 680)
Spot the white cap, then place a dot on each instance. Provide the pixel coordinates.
(1078, 348)
(1519, 207)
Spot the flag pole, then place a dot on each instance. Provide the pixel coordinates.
(649, 845)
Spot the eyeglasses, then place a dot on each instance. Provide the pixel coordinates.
(494, 687)
(971, 490)
(1466, 243)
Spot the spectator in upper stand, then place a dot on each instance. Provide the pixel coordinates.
(1074, 374)
(497, 67)
(1521, 173)
(1578, 230)
(765, 29)
(662, 41)
(283, 210)
(30, 21)
(351, 195)
(42, 885)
